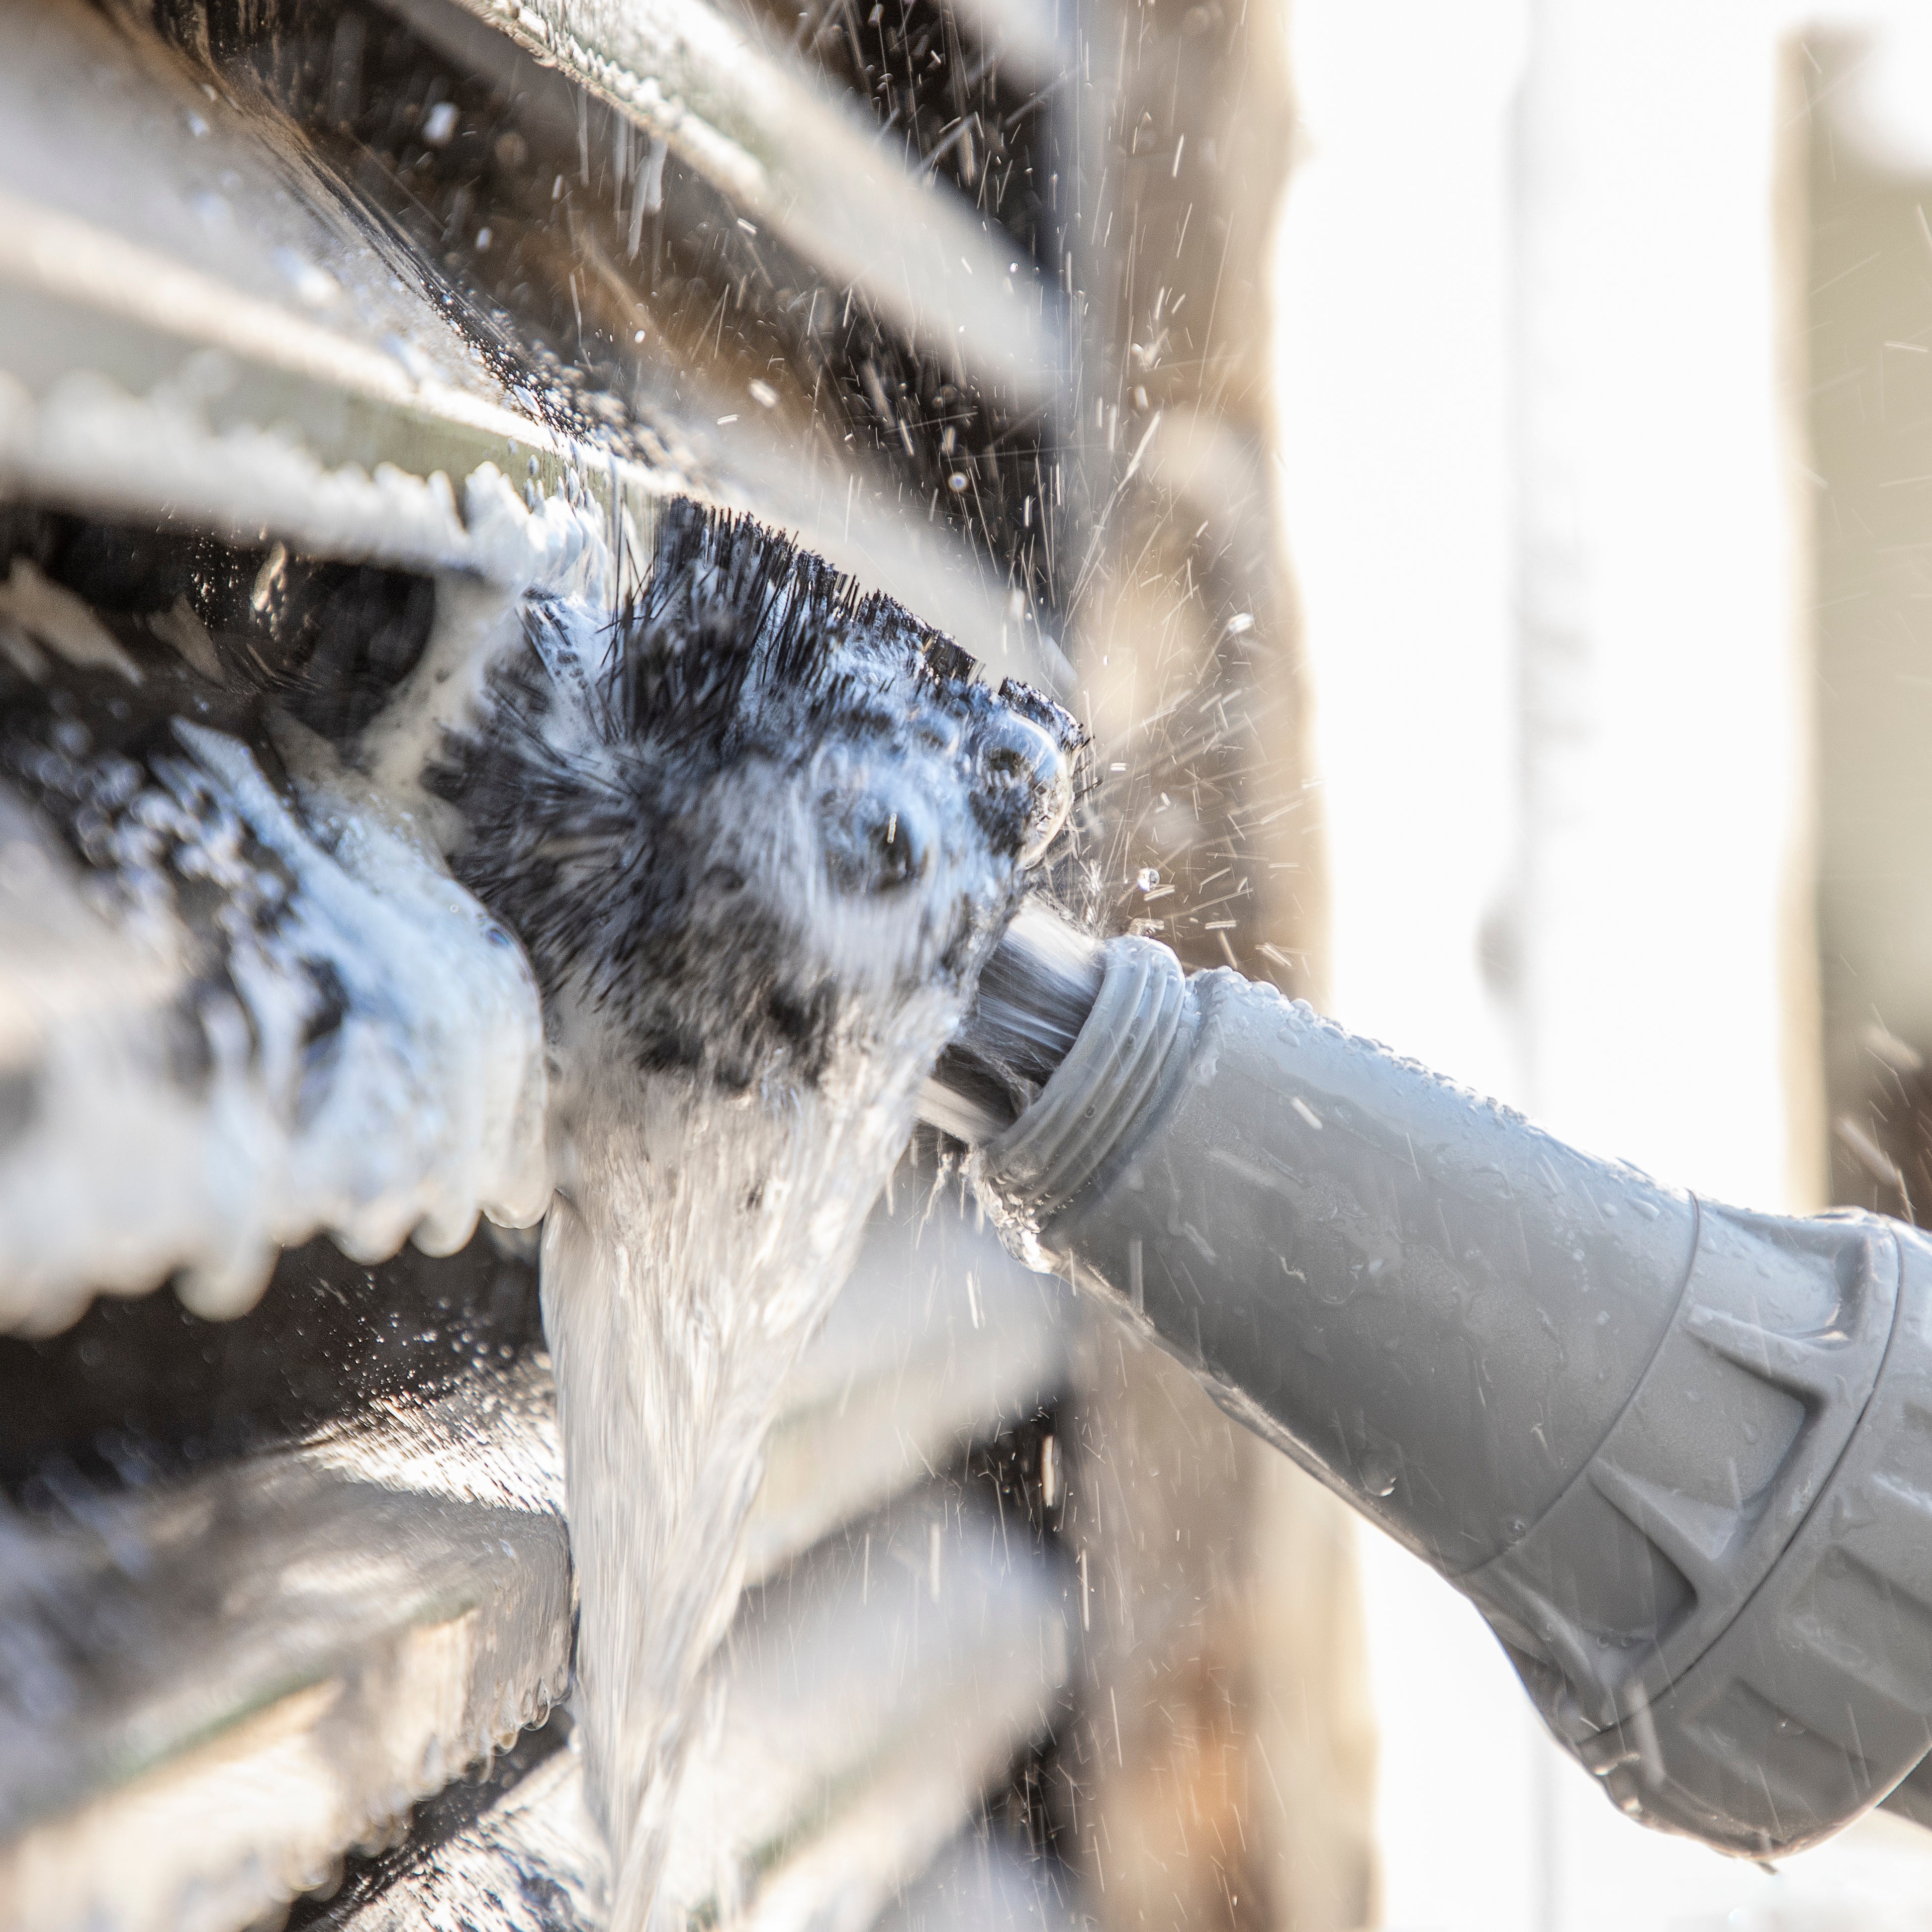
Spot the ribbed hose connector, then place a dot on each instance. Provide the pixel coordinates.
(1679, 1456)
(1100, 1092)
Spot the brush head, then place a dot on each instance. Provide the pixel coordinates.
(751, 815)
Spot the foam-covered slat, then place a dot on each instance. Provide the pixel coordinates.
(130, 1161)
(193, 326)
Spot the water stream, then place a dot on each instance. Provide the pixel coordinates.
(757, 837)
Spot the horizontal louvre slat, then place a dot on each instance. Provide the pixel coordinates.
(792, 156)
(867, 1698)
(940, 1338)
(224, 346)
(985, 1882)
(216, 1690)
(349, 1622)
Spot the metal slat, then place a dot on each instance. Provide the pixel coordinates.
(210, 1693)
(195, 329)
(985, 1882)
(873, 1691)
(792, 156)
(869, 1697)
(338, 1628)
(938, 1339)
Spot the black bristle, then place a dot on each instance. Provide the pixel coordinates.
(730, 606)
(630, 792)
(945, 659)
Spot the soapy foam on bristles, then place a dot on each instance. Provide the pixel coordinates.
(757, 836)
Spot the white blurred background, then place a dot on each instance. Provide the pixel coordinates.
(1605, 395)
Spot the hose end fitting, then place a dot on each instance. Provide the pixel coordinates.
(1678, 1455)
(1093, 1101)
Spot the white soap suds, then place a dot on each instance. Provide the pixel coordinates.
(152, 1126)
(88, 440)
(164, 1127)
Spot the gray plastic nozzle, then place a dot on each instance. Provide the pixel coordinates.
(1679, 1456)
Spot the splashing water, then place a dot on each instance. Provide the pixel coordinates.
(757, 837)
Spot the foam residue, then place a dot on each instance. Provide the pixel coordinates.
(368, 1059)
(88, 439)
(373, 1066)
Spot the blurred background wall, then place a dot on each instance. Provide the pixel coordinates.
(1221, 1760)
(1604, 442)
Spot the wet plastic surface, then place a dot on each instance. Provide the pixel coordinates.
(1669, 1449)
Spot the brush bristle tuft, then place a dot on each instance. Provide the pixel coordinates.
(674, 807)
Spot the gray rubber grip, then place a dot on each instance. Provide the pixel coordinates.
(1616, 1417)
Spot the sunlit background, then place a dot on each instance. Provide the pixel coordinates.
(1605, 432)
